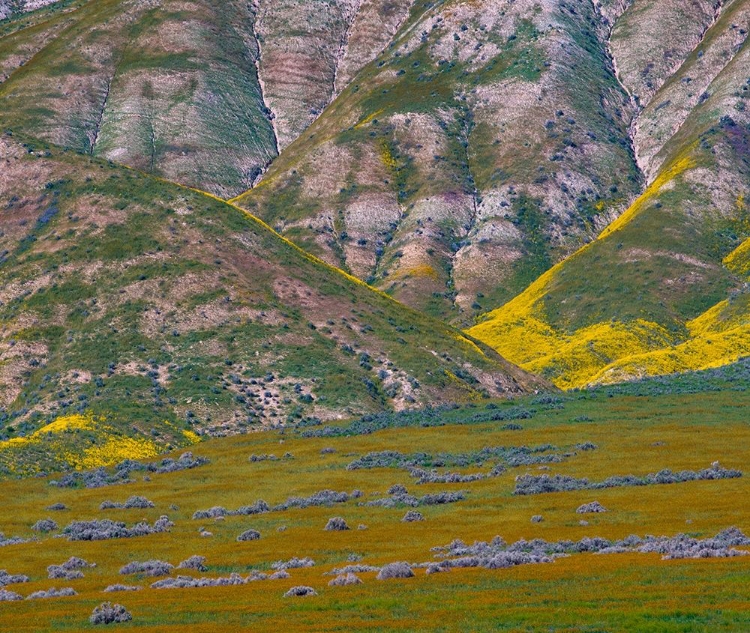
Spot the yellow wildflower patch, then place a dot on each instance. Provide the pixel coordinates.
(738, 261)
(680, 165)
(386, 156)
(423, 270)
(113, 451)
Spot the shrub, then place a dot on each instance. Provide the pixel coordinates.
(300, 591)
(14, 540)
(397, 489)
(7, 596)
(594, 506)
(57, 507)
(343, 580)
(132, 502)
(58, 573)
(100, 530)
(534, 485)
(537, 518)
(293, 563)
(281, 574)
(114, 588)
(44, 525)
(336, 524)
(395, 570)
(249, 535)
(10, 579)
(194, 562)
(108, 613)
(411, 516)
(436, 568)
(76, 563)
(148, 568)
(52, 593)
(186, 582)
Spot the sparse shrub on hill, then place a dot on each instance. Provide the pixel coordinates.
(438, 498)
(14, 540)
(147, 568)
(587, 446)
(343, 580)
(57, 572)
(44, 525)
(263, 458)
(395, 570)
(433, 477)
(187, 582)
(116, 588)
(104, 529)
(592, 507)
(336, 524)
(194, 562)
(497, 554)
(512, 456)
(57, 507)
(249, 535)
(540, 484)
(134, 501)
(300, 592)
(423, 418)
(100, 477)
(320, 498)
(52, 593)
(11, 579)
(537, 518)
(293, 563)
(411, 516)
(9, 596)
(436, 568)
(108, 613)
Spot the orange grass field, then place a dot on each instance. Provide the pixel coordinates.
(583, 592)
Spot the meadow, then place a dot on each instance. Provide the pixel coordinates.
(682, 425)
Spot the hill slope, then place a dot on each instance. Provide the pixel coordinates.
(156, 310)
(488, 141)
(201, 92)
(665, 287)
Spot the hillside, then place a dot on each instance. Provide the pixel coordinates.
(665, 287)
(202, 92)
(533, 562)
(487, 142)
(131, 306)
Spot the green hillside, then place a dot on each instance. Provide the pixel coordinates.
(157, 310)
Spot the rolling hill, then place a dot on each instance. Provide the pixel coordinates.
(143, 309)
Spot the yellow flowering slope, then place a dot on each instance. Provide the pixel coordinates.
(614, 351)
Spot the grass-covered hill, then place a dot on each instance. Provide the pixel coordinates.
(134, 308)
(570, 554)
(665, 287)
(488, 141)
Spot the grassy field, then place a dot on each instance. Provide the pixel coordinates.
(637, 429)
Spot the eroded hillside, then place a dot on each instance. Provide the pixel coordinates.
(665, 287)
(486, 143)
